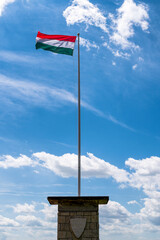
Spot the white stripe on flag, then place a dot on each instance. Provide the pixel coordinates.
(56, 43)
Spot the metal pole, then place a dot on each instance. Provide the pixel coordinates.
(79, 124)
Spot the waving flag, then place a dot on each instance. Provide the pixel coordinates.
(56, 43)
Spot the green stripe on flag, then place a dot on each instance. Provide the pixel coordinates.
(61, 50)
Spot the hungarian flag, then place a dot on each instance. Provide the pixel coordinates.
(56, 43)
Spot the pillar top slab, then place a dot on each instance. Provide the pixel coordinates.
(78, 200)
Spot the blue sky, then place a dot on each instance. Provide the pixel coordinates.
(120, 115)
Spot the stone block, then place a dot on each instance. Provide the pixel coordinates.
(92, 226)
(61, 219)
(94, 219)
(62, 234)
(64, 227)
(71, 214)
(69, 235)
(67, 219)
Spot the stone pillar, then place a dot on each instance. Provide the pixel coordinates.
(78, 217)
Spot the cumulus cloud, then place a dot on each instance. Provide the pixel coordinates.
(151, 211)
(7, 161)
(142, 174)
(3, 5)
(83, 11)
(49, 211)
(24, 208)
(66, 166)
(128, 15)
(115, 210)
(7, 222)
(29, 220)
(114, 218)
(145, 173)
(41, 223)
(43, 219)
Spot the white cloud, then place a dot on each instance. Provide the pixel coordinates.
(41, 223)
(83, 11)
(49, 211)
(142, 174)
(134, 67)
(42, 217)
(151, 211)
(114, 211)
(3, 5)
(145, 173)
(33, 93)
(121, 54)
(66, 166)
(86, 43)
(132, 202)
(24, 208)
(153, 194)
(29, 220)
(115, 52)
(122, 24)
(115, 219)
(8, 161)
(129, 15)
(40, 95)
(7, 222)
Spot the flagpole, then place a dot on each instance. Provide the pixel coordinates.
(79, 123)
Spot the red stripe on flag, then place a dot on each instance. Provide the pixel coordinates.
(57, 37)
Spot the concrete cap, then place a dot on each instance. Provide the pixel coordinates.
(78, 200)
